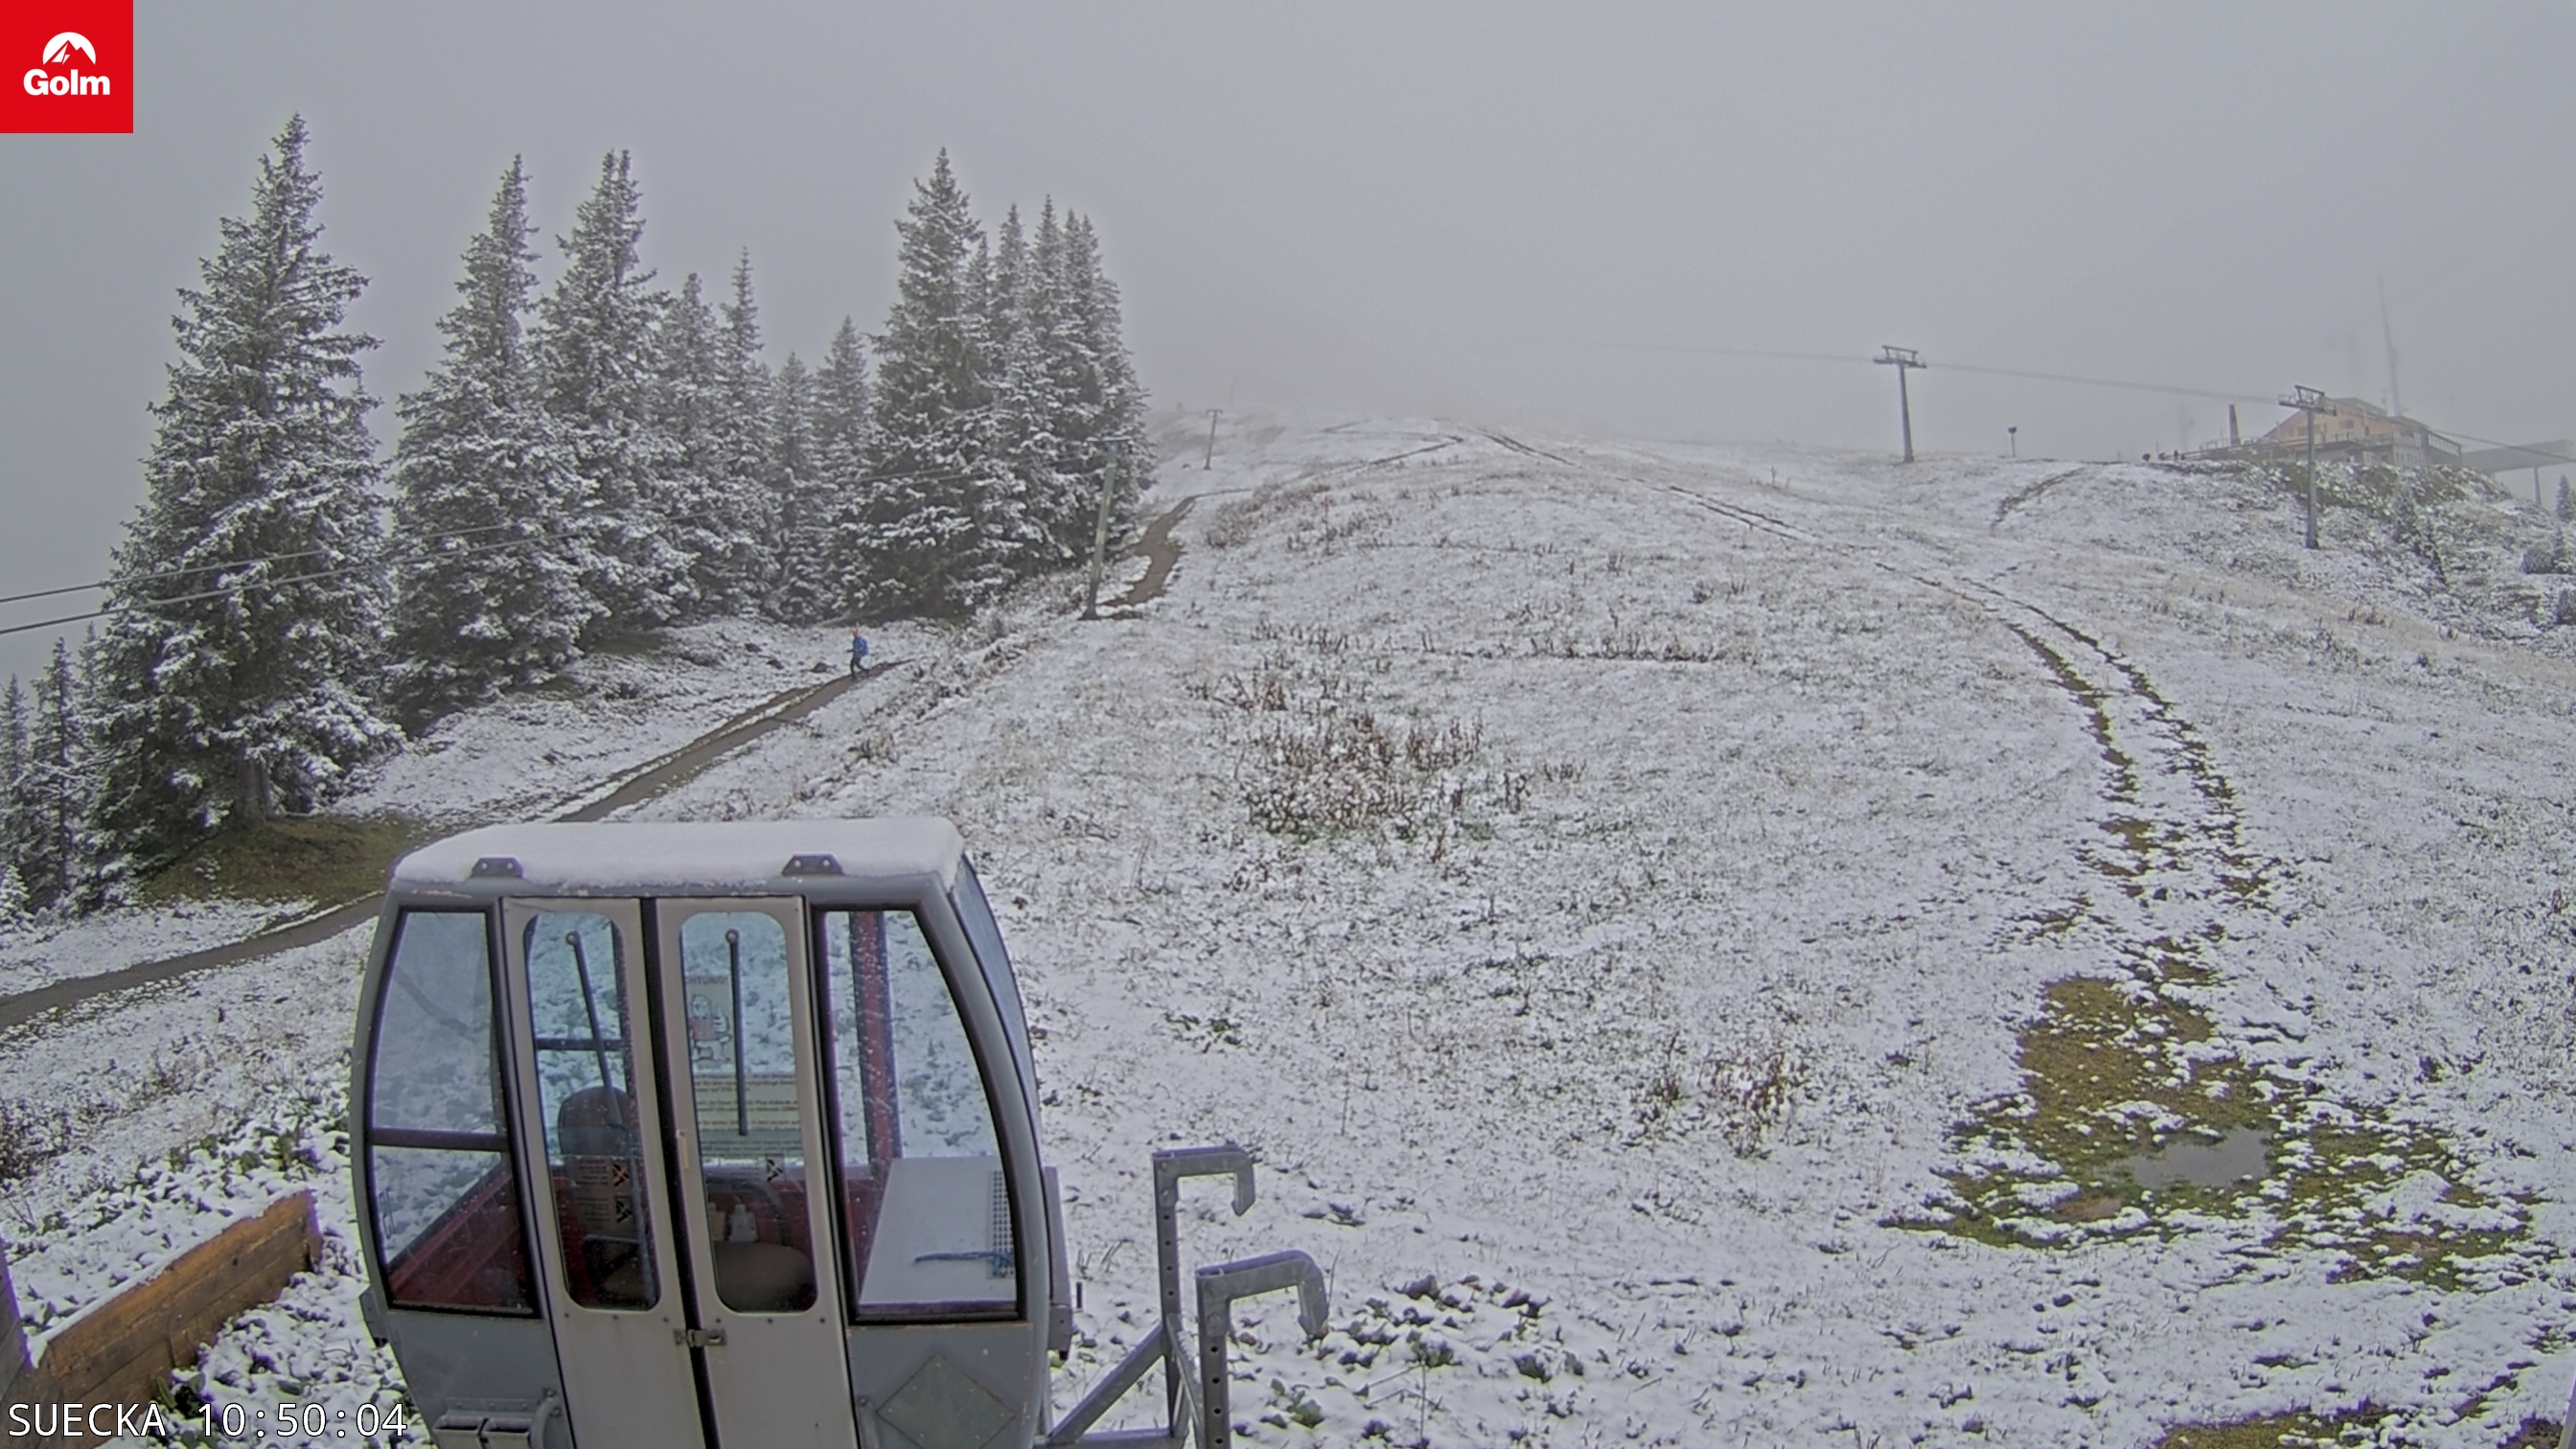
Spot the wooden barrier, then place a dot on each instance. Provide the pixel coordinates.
(14, 1367)
(120, 1351)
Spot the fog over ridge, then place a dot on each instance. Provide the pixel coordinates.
(1506, 212)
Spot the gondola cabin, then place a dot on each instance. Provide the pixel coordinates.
(726, 1135)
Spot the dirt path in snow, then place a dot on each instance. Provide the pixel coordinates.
(1160, 552)
(673, 769)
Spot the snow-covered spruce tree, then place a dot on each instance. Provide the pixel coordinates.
(594, 352)
(54, 791)
(745, 431)
(840, 438)
(14, 908)
(917, 548)
(13, 768)
(484, 599)
(1100, 403)
(1019, 470)
(806, 592)
(241, 664)
(716, 516)
(1045, 374)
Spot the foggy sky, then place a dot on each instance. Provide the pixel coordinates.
(1511, 214)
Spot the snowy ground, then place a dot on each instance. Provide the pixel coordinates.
(1709, 945)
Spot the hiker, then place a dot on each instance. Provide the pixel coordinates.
(858, 652)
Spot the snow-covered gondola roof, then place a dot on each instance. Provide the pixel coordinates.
(661, 856)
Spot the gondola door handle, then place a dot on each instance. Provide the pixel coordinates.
(698, 1337)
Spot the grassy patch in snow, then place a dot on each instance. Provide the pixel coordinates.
(2117, 1072)
(2283, 1431)
(2134, 1113)
(322, 858)
(2306, 1431)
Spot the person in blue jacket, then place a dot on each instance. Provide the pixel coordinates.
(858, 652)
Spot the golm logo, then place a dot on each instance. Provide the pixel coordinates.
(60, 50)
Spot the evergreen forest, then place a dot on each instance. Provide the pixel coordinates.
(594, 455)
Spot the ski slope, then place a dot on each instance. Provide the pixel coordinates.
(1627, 896)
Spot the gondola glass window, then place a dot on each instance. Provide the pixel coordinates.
(751, 1131)
(446, 1196)
(584, 1033)
(924, 1205)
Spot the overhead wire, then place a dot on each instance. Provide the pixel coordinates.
(2153, 387)
(368, 567)
(945, 475)
(382, 560)
(218, 565)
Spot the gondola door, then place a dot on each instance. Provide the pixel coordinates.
(755, 1203)
(590, 1118)
(679, 1254)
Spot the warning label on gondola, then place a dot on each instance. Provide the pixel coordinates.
(766, 1126)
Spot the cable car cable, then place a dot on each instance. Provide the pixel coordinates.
(224, 564)
(943, 475)
(150, 604)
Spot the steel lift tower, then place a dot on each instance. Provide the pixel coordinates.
(1902, 358)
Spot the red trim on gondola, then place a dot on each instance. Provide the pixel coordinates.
(473, 1257)
(876, 1034)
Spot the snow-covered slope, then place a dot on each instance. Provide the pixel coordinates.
(1625, 894)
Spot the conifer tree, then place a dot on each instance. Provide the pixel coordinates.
(745, 434)
(715, 517)
(54, 790)
(1007, 290)
(485, 598)
(1038, 400)
(806, 591)
(917, 547)
(840, 425)
(1019, 468)
(241, 664)
(14, 825)
(840, 440)
(594, 350)
(1103, 405)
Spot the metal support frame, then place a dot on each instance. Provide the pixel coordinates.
(1182, 1412)
(1100, 536)
(2311, 402)
(1218, 1287)
(1170, 1166)
(1904, 360)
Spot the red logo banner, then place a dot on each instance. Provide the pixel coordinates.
(67, 65)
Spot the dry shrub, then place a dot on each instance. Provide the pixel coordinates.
(1333, 765)
(1746, 1094)
(1755, 1092)
(31, 1136)
(1330, 772)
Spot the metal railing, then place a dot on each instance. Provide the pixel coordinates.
(1195, 1406)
